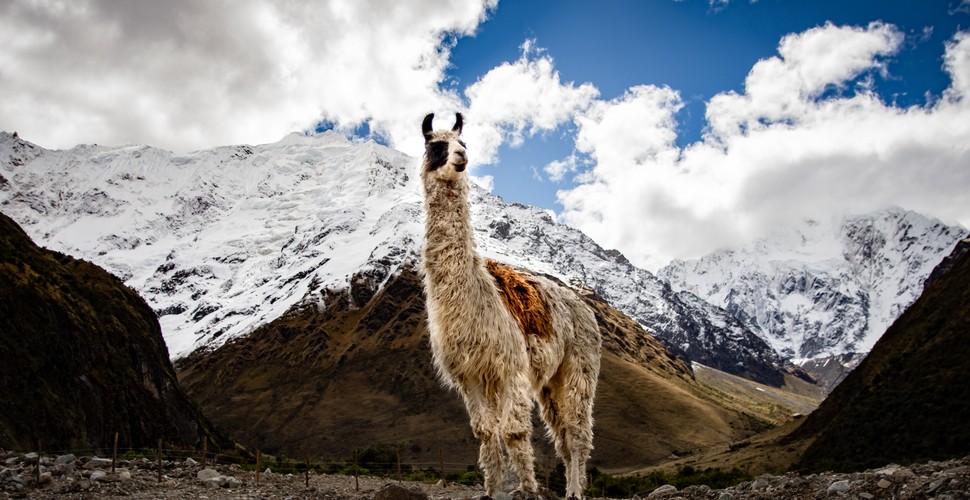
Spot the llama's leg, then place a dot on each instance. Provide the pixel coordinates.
(552, 417)
(486, 425)
(569, 415)
(579, 440)
(518, 435)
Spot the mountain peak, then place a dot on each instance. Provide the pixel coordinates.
(823, 289)
(328, 137)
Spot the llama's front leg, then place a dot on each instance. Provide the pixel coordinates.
(518, 437)
(486, 427)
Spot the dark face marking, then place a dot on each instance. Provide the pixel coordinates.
(437, 152)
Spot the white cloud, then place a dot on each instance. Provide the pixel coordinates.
(785, 87)
(184, 74)
(518, 100)
(782, 151)
(557, 170)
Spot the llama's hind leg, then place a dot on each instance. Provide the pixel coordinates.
(569, 415)
(518, 436)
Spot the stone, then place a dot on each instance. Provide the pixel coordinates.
(31, 458)
(935, 485)
(866, 496)
(884, 483)
(887, 470)
(215, 482)
(207, 474)
(725, 496)
(11, 460)
(97, 463)
(232, 482)
(663, 490)
(44, 478)
(760, 484)
(398, 492)
(903, 474)
(189, 461)
(64, 459)
(838, 487)
(98, 475)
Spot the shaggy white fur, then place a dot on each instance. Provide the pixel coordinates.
(479, 347)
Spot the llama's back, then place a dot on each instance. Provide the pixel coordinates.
(573, 320)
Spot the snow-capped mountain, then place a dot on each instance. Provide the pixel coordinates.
(823, 289)
(224, 240)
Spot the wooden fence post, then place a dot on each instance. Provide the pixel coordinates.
(114, 454)
(356, 472)
(37, 465)
(441, 463)
(399, 479)
(159, 459)
(257, 466)
(307, 480)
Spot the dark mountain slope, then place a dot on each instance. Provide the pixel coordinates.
(324, 380)
(909, 400)
(82, 357)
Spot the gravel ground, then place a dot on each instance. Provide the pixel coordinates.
(91, 477)
(68, 477)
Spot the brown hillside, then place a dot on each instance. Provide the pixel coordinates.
(82, 357)
(323, 382)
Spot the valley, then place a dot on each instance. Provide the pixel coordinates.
(279, 283)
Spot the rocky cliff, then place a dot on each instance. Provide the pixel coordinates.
(82, 357)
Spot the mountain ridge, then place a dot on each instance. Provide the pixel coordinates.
(224, 240)
(822, 290)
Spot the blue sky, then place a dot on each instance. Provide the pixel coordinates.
(663, 128)
(693, 47)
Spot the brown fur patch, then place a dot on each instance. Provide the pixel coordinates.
(522, 300)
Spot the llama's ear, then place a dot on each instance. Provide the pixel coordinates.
(457, 128)
(426, 127)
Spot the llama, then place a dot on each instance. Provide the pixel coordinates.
(501, 337)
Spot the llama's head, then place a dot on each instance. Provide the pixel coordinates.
(444, 152)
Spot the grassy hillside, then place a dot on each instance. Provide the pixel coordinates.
(322, 381)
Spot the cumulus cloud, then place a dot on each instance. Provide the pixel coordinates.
(540, 103)
(183, 74)
(786, 149)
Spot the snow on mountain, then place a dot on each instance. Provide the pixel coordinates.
(823, 289)
(221, 241)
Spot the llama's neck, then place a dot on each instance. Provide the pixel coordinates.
(449, 250)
